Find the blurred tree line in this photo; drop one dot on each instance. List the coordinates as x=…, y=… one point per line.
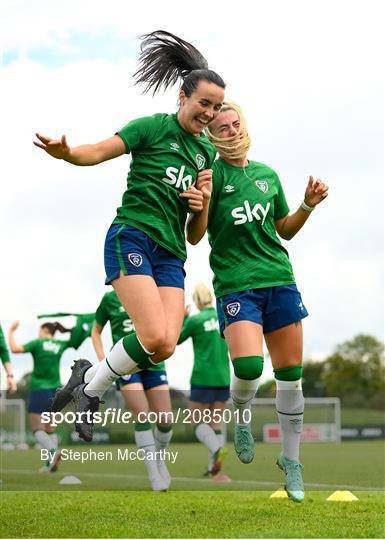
x=355, y=373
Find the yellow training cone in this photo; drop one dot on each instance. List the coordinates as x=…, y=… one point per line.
x=342, y=496
x=279, y=494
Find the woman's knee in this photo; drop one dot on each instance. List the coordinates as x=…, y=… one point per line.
x=155, y=341
x=166, y=350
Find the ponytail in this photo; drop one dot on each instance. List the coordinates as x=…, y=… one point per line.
x=54, y=327
x=166, y=58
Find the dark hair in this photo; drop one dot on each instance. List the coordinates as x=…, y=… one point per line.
x=53, y=327
x=165, y=58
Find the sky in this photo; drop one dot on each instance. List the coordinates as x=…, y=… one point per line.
x=308, y=76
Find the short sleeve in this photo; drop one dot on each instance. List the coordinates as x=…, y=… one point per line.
x=101, y=314
x=138, y=132
x=30, y=346
x=187, y=329
x=281, y=208
x=4, y=353
x=215, y=191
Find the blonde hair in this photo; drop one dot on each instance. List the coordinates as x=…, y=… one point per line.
x=202, y=296
x=235, y=147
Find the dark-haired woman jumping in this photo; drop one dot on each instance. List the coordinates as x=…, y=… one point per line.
x=145, y=245
x=46, y=353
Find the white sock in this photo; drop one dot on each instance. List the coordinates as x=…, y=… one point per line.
x=145, y=440
x=43, y=439
x=206, y=435
x=290, y=405
x=221, y=443
x=221, y=439
x=54, y=440
x=162, y=438
x=90, y=373
x=210, y=461
x=116, y=364
x=242, y=393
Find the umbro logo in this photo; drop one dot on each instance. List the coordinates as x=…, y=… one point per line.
x=229, y=189
x=174, y=146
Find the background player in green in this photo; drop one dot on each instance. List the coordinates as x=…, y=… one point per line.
x=254, y=283
x=210, y=377
x=6, y=360
x=142, y=392
x=46, y=353
x=145, y=246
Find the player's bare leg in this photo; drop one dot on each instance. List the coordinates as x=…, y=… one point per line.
x=157, y=313
x=135, y=399
x=244, y=340
x=285, y=348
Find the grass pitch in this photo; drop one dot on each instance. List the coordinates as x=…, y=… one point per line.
x=114, y=500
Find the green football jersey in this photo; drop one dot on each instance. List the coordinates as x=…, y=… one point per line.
x=82, y=329
x=246, y=252
x=111, y=310
x=46, y=354
x=165, y=162
x=211, y=357
x=4, y=353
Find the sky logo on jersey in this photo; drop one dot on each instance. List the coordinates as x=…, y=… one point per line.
x=128, y=325
x=178, y=181
x=262, y=185
x=233, y=308
x=174, y=146
x=229, y=189
x=245, y=213
x=135, y=259
x=210, y=325
x=200, y=161
x=51, y=347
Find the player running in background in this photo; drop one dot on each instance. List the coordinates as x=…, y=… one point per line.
x=254, y=283
x=145, y=246
x=210, y=378
x=142, y=392
x=6, y=360
x=80, y=331
x=45, y=379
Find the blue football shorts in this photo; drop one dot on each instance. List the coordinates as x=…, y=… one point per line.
x=40, y=400
x=131, y=251
x=271, y=307
x=148, y=378
x=209, y=394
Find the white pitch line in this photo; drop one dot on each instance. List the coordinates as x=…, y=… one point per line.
x=193, y=480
